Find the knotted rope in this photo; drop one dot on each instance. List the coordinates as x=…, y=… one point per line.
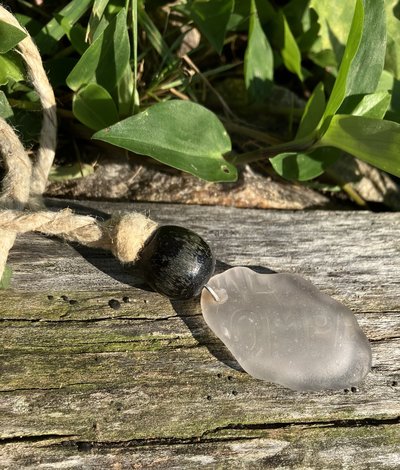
x=124, y=234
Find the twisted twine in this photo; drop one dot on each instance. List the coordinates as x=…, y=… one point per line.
x=124, y=234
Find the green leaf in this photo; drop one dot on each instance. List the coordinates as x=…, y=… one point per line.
x=76, y=35
x=362, y=62
x=258, y=60
x=5, y=108
x=335, y=20
x=374, y=105
x=367, y=65
x=311, y=27
x=313, y=112
x=304, y=166
x=386, y=82
x=290, y=52
x=375, y=141
x=70, y=172
x=181, y=134
x=154, y=35
x=5, y=280
x=28, y=125
x=392, y=59
x=126, y=89
x=239, y=18
x=48, y=38
x=104, y=22
x=10, y=36
x=211, y=17
x=11, y=68
x=94, y=107
x=33, y=26
x=95, y=16
x=106, y=59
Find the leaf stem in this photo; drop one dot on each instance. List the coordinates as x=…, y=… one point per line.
x=23, y=104
x=261, y=136
x=298, y=145
x=353, y=194
x=134, y=12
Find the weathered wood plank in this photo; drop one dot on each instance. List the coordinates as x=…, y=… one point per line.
x=311, y=447
x=350, y=255
x=87, y=386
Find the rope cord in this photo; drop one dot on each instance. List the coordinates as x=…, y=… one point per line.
x=21, y=205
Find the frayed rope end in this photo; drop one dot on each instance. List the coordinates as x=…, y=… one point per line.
x=128, y=234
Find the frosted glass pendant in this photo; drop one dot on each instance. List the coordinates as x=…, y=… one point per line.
x=282, y=329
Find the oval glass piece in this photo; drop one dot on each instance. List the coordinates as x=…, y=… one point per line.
x=282, y=329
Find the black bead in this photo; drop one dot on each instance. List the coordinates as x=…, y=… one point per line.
x=176, y=262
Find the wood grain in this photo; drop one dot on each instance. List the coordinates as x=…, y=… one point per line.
x=85, y=385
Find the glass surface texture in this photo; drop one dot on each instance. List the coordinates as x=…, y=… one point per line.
x=282, y=329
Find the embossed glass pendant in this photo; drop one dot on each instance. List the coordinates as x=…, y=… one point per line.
x=281, y=328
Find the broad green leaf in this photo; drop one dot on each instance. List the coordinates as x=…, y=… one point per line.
x=5, y=108
x=47, y=39
x=367, y=65
x=362, y=62
x=5, y=280
x=258, y=60
x=290, y=52
x=11, y=68
x=374, y=105
x=313, y=112
x=339, y=91
x=106, y=59
x=94, y=107
x=10, y=36
x=70, y=172
x=181, y=134
x=211, y=17
x=375, y=141
x=304, y=166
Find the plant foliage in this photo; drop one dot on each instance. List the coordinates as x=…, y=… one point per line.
x=118, y=67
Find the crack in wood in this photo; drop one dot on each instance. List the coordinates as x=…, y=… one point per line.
x=90, y=320
x=206, y=437
x=381, y=340
x=343, y=423
x=46, y=389
x=34, y=438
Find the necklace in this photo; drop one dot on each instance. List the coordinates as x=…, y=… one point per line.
x=279, y=327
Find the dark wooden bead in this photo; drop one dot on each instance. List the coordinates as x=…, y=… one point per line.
x=176, y=262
